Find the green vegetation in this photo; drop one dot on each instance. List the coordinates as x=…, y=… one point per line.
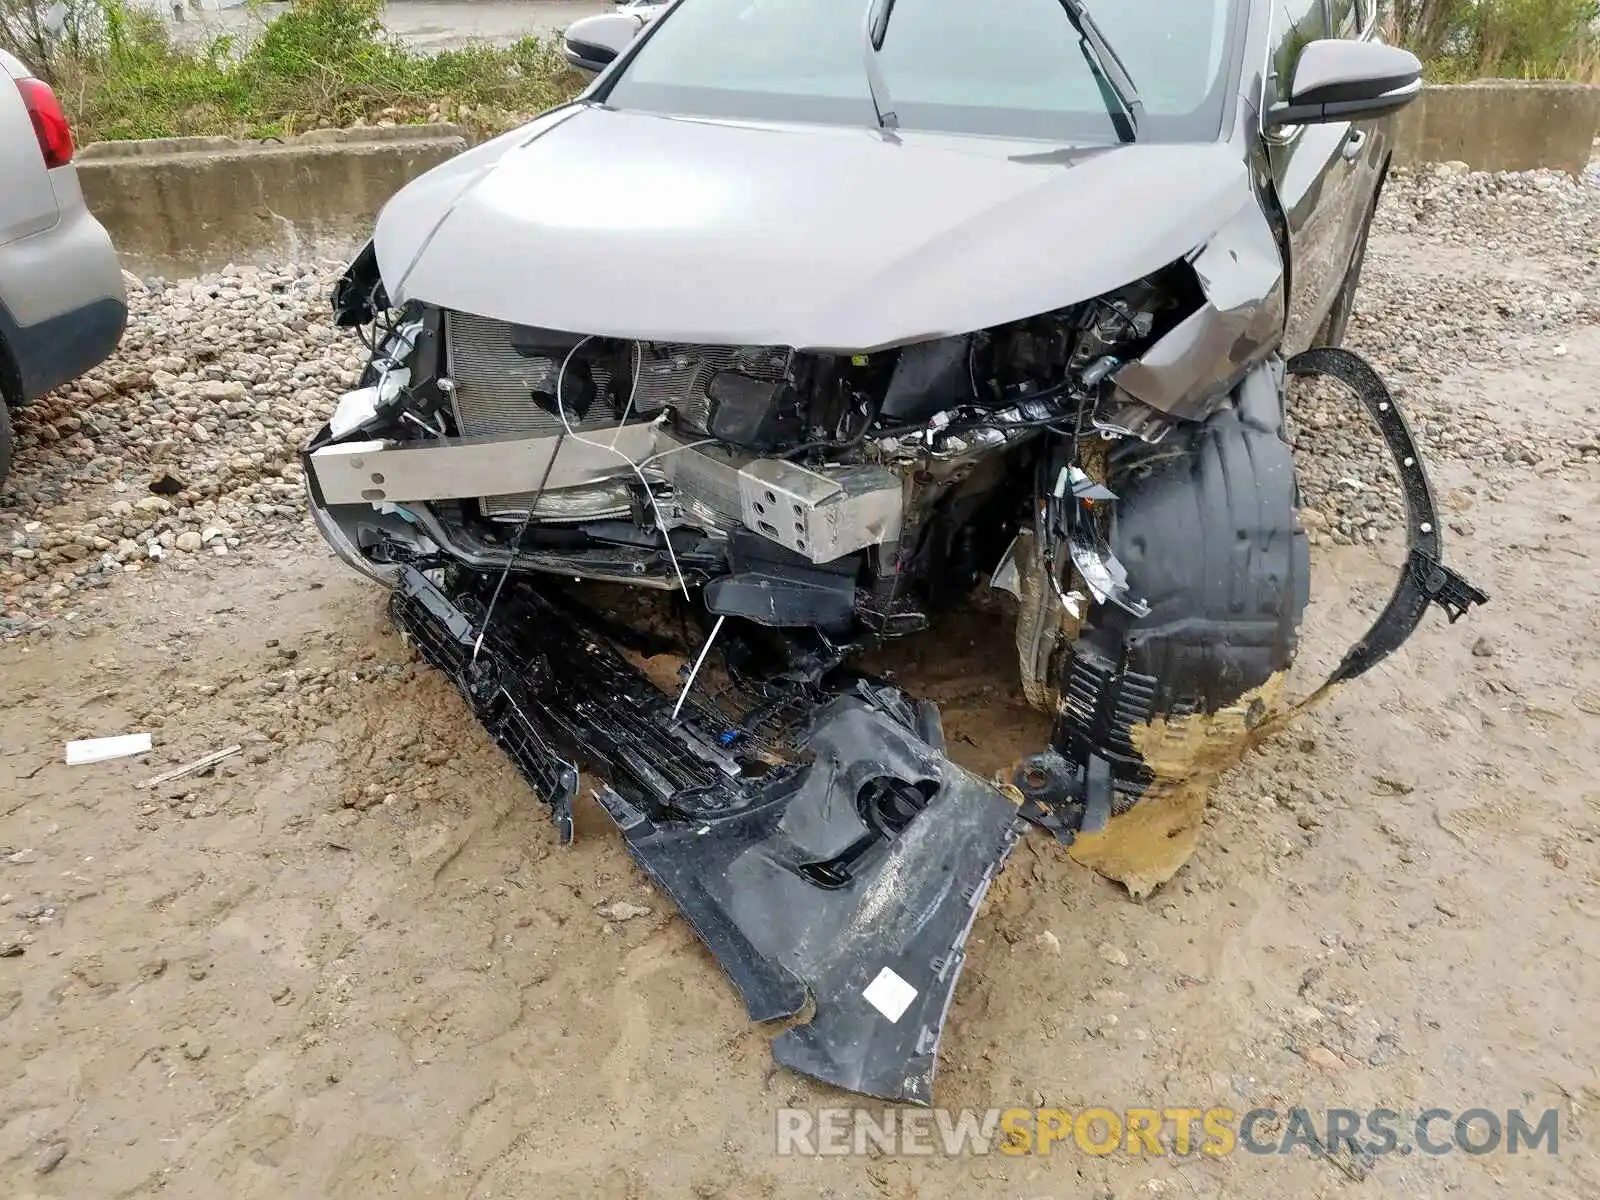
x=330, y=63
x=1500, y=39
x=323, y=63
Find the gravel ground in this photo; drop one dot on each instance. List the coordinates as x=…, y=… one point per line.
x=1456, y=282
x=181, y=445
x=353, y=961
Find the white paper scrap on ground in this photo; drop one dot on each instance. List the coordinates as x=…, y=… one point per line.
x=890, y=994
x=93, y=750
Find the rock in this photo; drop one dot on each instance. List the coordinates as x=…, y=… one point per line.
x=11, y=949
x=1483, y=648
x=50, y=1158
x=1112, y=954
x=218, y=391
x=1447, y=908
x=622, y=910
x=282, y=994
x=1384, y=1051
x=195, y=1048
x=189, y=542
x=1050, y=941
x=1321, y=1056
x=153, y=504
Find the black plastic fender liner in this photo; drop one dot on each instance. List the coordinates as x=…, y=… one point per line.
x=1205, y=523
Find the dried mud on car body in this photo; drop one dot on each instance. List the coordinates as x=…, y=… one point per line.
x=354, y=961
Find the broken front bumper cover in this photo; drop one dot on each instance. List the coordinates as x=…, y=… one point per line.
x=832, y=854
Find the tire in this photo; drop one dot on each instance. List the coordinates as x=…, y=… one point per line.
x=5, y=441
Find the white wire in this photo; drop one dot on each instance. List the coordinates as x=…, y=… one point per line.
x=660, y=454
x=698, y=663
x=638, y=470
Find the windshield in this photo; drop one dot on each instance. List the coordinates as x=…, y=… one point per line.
x=1011, y=69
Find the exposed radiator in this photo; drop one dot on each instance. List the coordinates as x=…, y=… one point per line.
x=675, y=375
x=495, y=386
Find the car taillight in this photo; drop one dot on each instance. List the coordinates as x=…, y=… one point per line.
x=49, y=121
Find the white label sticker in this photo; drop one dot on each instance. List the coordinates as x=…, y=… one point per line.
x=890, y=994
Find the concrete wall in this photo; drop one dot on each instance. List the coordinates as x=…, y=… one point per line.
x=183, y=206
x=1502, y=125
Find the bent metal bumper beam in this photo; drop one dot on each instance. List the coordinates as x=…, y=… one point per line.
x=837, y=856
x=821, y=515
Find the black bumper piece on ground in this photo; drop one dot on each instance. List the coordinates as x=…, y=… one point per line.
x=838, y=856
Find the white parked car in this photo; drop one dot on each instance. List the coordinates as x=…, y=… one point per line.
x=62, y=302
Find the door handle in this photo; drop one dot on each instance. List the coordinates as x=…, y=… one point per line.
x=1354, y=144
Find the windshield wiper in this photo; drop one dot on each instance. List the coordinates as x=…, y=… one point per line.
x=1108, y=69
x=878, y=13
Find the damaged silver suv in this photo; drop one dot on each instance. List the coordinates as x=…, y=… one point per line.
x=821, y=315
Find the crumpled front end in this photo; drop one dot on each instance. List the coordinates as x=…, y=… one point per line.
x=1117, y=465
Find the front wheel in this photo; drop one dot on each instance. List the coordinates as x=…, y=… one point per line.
x=5, y=441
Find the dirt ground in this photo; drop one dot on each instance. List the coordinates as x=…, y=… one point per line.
x=354, y=962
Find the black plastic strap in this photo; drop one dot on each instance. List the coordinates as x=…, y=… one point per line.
x=1425, y=579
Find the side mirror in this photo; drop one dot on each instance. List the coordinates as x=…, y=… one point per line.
x=592, y=44
x=1339, y=80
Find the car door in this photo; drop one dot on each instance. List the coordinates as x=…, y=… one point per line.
x=1314, y=169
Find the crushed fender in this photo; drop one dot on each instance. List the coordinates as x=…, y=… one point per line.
x=1184, y=756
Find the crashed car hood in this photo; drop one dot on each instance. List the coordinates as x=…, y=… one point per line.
x=633, y=225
